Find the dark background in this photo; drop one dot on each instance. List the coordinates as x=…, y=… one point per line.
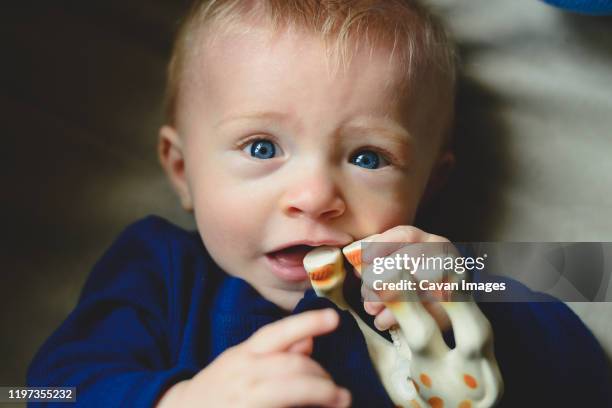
x=81, y=101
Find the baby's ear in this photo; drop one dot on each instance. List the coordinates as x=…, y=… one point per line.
x=170, y=150
x=442, y=168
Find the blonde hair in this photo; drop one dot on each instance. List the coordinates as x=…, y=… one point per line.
x=416, y=39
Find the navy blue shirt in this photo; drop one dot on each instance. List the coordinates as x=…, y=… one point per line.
x=156, y=310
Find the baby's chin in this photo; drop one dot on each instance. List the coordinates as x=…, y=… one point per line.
x=284, y=294
x=284, y=291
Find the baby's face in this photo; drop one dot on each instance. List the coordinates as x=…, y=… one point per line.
x=280, y=153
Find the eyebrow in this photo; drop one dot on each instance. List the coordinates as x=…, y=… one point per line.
x=381, y=126
x=258, y=115
x=385, y=127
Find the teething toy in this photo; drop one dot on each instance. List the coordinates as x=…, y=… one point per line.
x=418, y=369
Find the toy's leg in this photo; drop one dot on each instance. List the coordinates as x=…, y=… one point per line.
x=417, y=331
x=468, y=375
x=326, y=271
x=474, y=353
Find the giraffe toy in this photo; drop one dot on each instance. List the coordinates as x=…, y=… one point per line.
x=418, y=369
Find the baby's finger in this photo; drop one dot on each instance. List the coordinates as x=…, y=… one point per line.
x=396, y=240
x=390, y=241
x=385, y=320
x=282, y=334
x=286, y=365
x=373, y=308
x=300, y=391
x=302, y=347
x=408, y=233
x=368, y=294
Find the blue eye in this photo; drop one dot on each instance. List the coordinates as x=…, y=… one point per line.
x=368, y=159
x=262, y=149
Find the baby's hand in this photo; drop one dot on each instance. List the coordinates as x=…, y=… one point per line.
x=402, y=234
x=270, y=369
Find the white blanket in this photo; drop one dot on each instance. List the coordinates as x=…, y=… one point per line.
x=535, y=113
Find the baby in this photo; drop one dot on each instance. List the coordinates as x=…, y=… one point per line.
x=296, y=124
x=290, y=124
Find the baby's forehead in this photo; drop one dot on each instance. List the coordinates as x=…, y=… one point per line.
x=303, y=55
x=260, y=64
x=403, y=30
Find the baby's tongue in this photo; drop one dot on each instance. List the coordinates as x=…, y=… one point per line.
x=292, y=256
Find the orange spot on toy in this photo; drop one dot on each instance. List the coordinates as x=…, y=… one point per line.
x=470, y=381
x=425, y=380
x=354, y=257
x=321, y=274
x=465, y=404
x=415, y=404
x=436, y=402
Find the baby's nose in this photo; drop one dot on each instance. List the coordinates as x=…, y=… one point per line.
x=315, y=196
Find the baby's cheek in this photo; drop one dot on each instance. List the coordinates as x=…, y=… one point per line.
x=228, y=217
x=389, y=214
x=384, y=207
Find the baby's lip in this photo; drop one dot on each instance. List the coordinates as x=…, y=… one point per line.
x=290, y=256
x=308, y=243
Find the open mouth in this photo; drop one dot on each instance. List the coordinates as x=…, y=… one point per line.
x=288, y=263
x=291, y=256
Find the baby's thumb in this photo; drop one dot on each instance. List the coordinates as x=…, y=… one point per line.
x=289, y=332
